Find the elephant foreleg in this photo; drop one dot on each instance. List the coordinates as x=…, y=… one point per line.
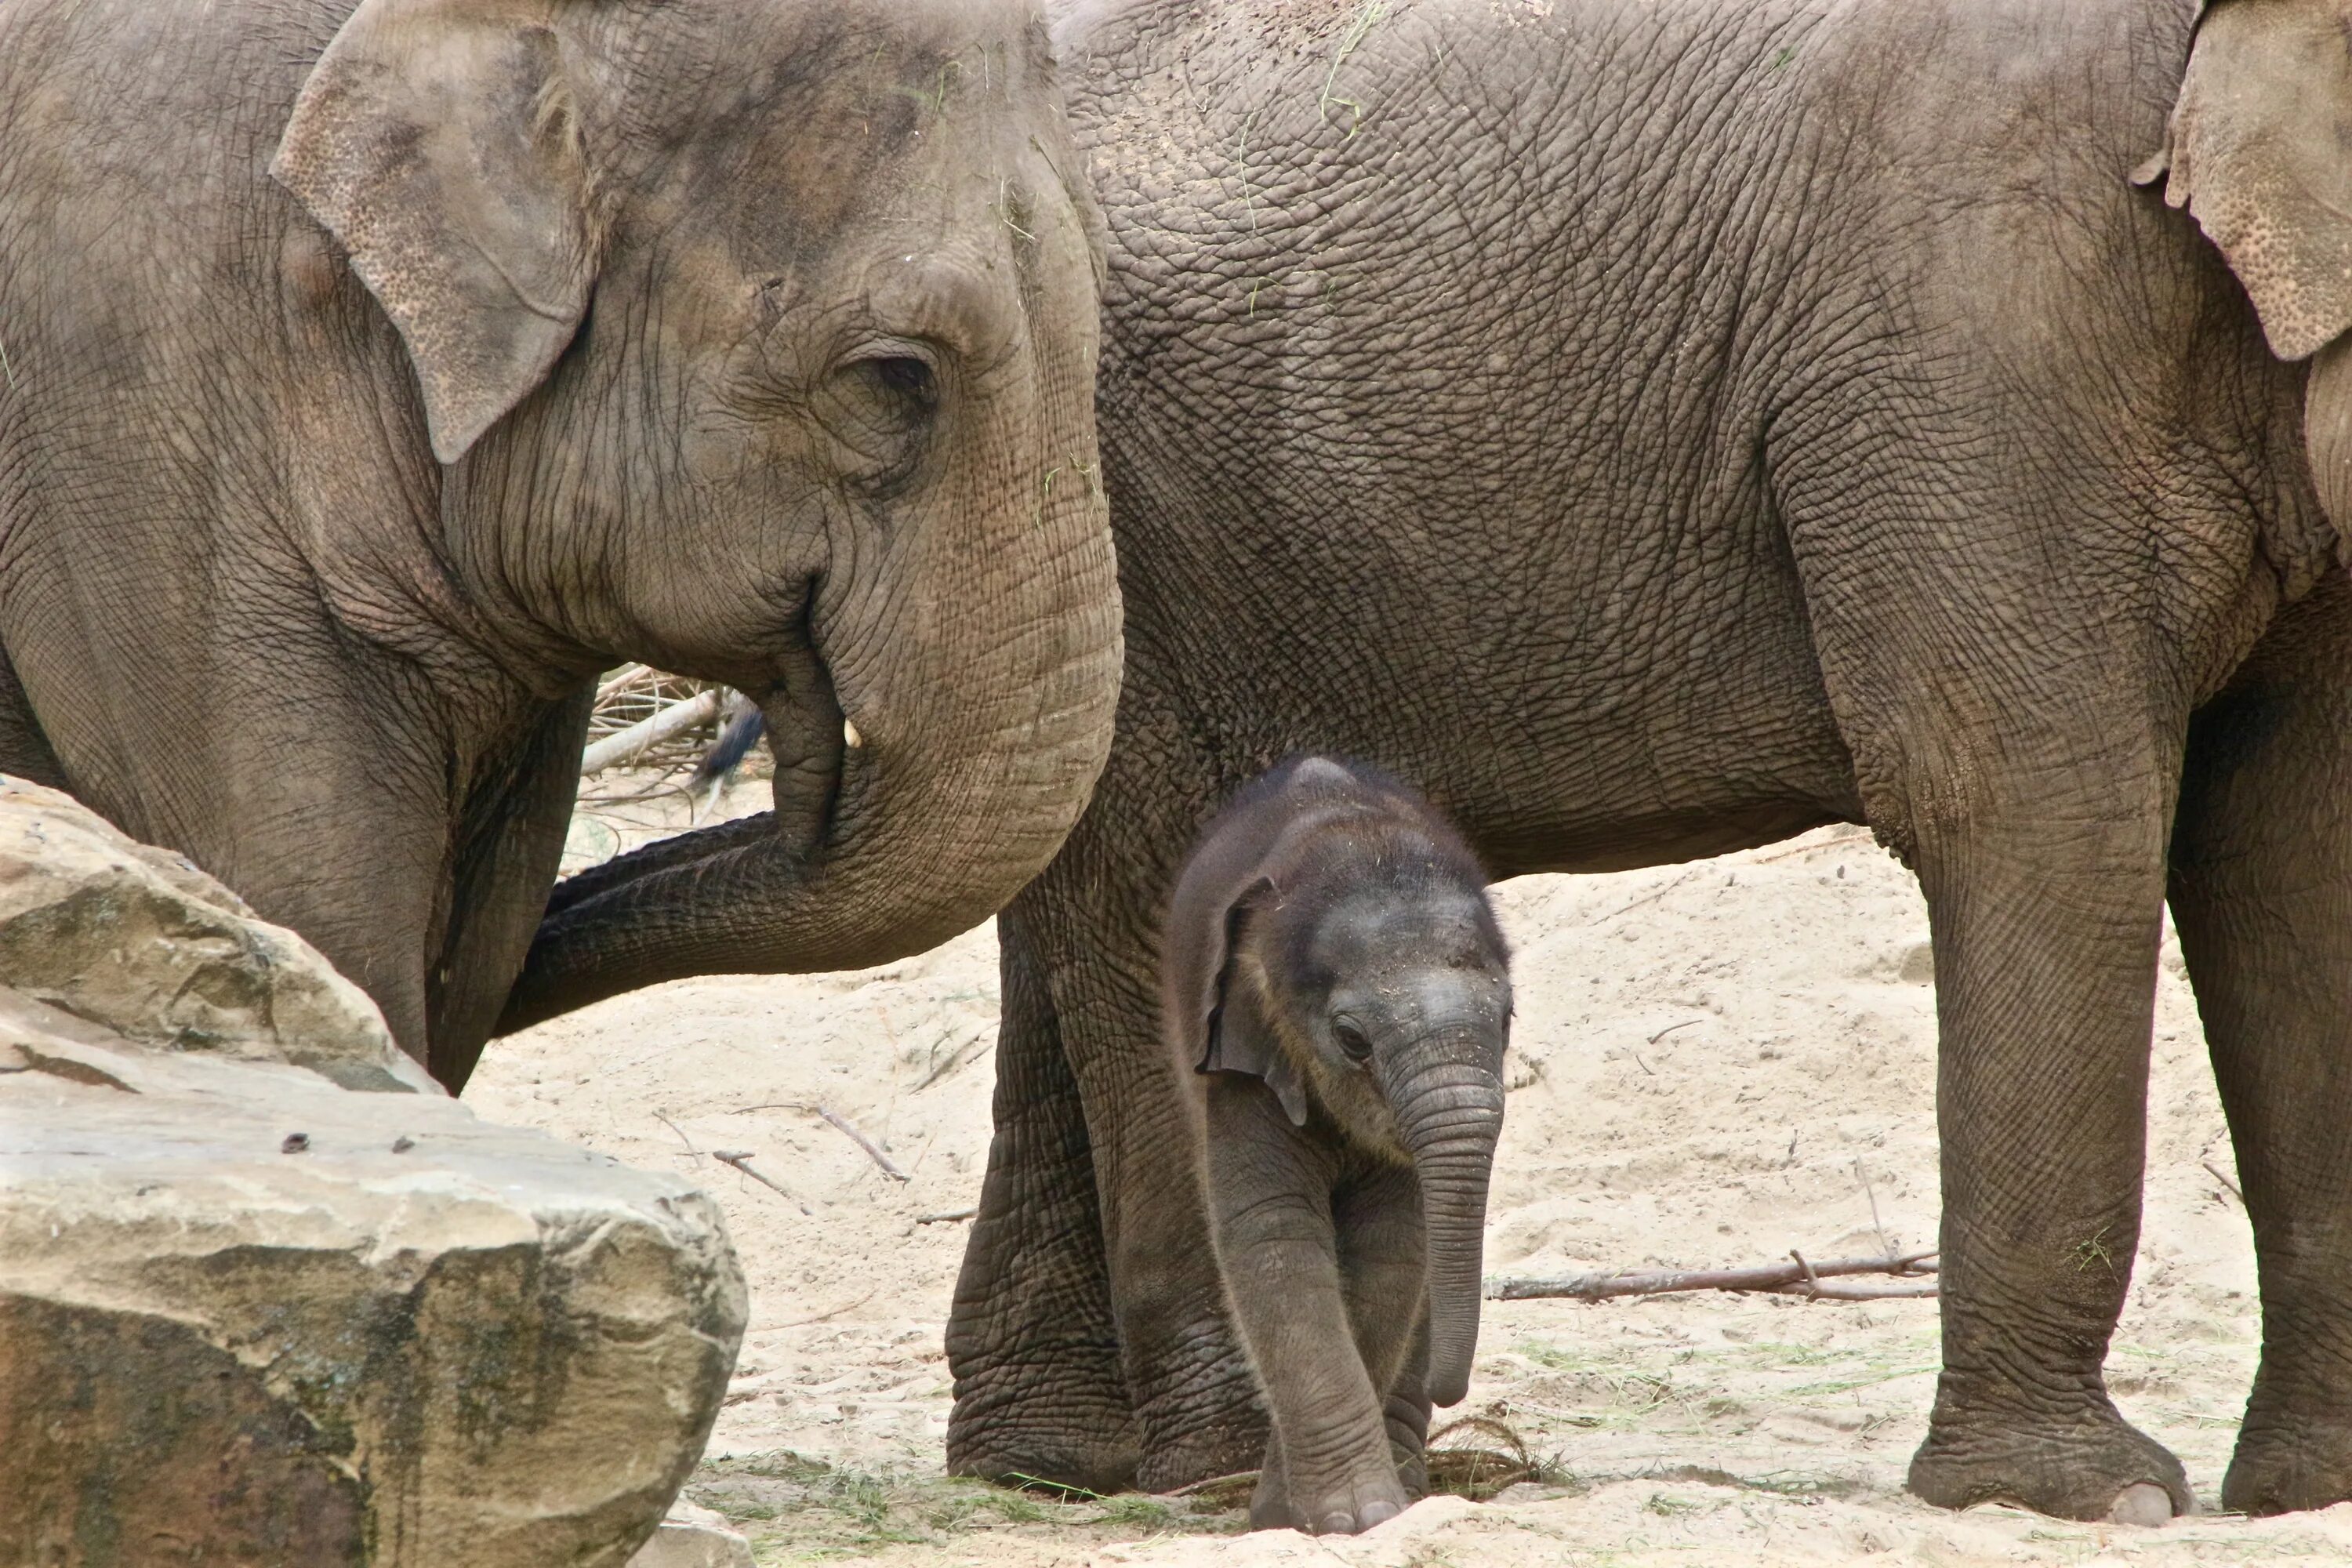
x=2045, y=926
x=508, y=845
x=1383, y=1267
x=2262, y=887
x=1327, y=1469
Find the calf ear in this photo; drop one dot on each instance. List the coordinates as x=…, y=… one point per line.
x=436, y=140
x=1236, y=1035
x=2259, y=153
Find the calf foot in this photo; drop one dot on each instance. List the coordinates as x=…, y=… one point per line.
x=2094, y=1466
x=1348, y=1504
x=1350, y=1507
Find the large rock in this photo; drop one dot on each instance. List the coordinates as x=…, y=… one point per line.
x=250, y=1317
x=139, y=941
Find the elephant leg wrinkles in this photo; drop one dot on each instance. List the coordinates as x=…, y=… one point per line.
x=2045, y=938
x=2262, y=887
x=1031, y=1341
x=1383, y=1263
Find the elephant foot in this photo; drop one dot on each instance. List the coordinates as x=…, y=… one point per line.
x=2095, y=1468
x=2282, y=1468
x=1014, y=1432
x=1347, y=1504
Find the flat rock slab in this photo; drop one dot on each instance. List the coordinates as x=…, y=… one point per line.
x=694, y=1537
x=247, y=1317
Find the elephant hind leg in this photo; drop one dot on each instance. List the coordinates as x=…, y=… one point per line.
x=2262, y=888
x=1039, y=1392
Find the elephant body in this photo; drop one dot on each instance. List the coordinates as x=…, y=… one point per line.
x=1659, y=427
x=1337, y=1000
x=377, y=374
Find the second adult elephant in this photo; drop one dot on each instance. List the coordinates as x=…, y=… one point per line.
x=1660, y=426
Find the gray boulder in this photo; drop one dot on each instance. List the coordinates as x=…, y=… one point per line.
x=137, y=939
x=248, y=1316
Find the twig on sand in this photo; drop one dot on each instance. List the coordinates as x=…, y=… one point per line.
x=956, y=1059
x=947, y=1219
x=1871, y=1192
x=873, y=1149
x=821, y=1317
x=2232, y=1186
x=674, y=1127
x=1813, y=1281
x=889, y=1166
x=742, y=1160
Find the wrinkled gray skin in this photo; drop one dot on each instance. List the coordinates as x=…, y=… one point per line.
x=1661, y=426
x=1337, y=1000
x=375, y=376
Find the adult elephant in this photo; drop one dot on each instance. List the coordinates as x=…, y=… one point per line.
x=1658, y=428
x=375, y=374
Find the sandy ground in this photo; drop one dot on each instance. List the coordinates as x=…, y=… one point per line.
x=1716, y=1063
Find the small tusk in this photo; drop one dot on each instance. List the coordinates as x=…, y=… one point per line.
x=849, y=735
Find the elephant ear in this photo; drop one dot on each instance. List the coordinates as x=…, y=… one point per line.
x=1236, y=1035
x=436, y=138
x=2259, y=151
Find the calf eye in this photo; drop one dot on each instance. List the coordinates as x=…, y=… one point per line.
x=1352, y=1041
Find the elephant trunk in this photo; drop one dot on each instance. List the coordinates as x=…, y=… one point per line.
x=933, y=746
x=1451, y=1117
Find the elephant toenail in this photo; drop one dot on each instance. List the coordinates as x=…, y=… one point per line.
x=2142, y=1503
x=1336, y=1523
x=1380, y=1513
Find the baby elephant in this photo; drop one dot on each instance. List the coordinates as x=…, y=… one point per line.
x=1337, y=995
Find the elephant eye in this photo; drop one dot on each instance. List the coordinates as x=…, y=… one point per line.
x=906, y=377
x=884, y=409
x=1352, y=1041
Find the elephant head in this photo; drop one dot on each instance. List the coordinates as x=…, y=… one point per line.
x=756, y=339
x=2259, y=151
x=1355, y=965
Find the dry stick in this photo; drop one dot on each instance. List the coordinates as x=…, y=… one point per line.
x=1861, y=836
x=821, y=1317
x=630, y=674
x=889, y=1166
x=674, y=719
x=2225, y=1181
x=956, y=1059
x=742, y=1160
x=1875, y=1223
x=953, y=1215
x=673, y=1126
x=1796, y=1277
